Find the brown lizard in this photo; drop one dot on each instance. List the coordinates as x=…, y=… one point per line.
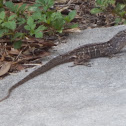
x=79, y=56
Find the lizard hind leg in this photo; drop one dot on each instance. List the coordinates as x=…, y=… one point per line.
x=82, y=60
x=85, y=63
x=114, y=55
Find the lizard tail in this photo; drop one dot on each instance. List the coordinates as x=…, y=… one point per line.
x=52, y=63
x=8, y=95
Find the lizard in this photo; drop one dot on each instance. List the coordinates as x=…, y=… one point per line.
x=79, y=56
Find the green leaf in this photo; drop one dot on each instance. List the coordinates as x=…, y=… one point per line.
x=111, y=1
x=2, y=9
x=58, y=24
x=60, y=30
x=17, y=45
x=27, y=27
x=32, y=32
x=12, y=17
x=104, y=3
x=37, y=15
x=1, y=21
x=30, y=21
x=120, y=7
x=99, y=2
x=1, y=3
x=2, y=15
x=33, y=26
x=122, y=13
x=17, y=35
x=10, y=25
x=71, y=15
x=38, y=34
x=46, y=4
x=74, y=25
x=41, y=28
x=3, y=31
x=118, y=20
x=43, y=19
x=22, y=8
x=21, y=21
x=95, y=11
x=57, y=21
x=11, y=6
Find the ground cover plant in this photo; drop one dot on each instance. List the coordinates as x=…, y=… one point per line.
x=38, y=21
x=22, y=26
x=115, y=7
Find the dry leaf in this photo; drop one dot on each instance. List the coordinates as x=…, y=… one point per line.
x=14, y=51
x=5, y=68
x=60, y=1
x=73, y=30
x=17, y=67
x=62, y=9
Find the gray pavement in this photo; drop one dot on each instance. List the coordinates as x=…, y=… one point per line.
x=70, y=96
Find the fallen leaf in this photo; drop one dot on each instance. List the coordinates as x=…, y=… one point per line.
x=5, y=68
x=73, y=30
x=60, y=1
x=14, y=51
x=17, y=67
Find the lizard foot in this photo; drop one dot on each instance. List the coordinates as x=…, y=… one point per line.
x=81, y=63
x=115, y=55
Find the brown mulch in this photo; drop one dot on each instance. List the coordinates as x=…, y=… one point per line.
x=33, y=50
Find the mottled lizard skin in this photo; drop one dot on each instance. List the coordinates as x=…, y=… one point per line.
x=79, y=56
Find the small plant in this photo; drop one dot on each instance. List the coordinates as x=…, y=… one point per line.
x=52, y=19
x=7, y=24
x=31, y=27
x=102, y=5
x=118, y=9
x=1, y=3
x=39, y=20
x=18, y=10
x=45, y=4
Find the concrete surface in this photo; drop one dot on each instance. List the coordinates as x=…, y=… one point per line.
x=70, y=96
